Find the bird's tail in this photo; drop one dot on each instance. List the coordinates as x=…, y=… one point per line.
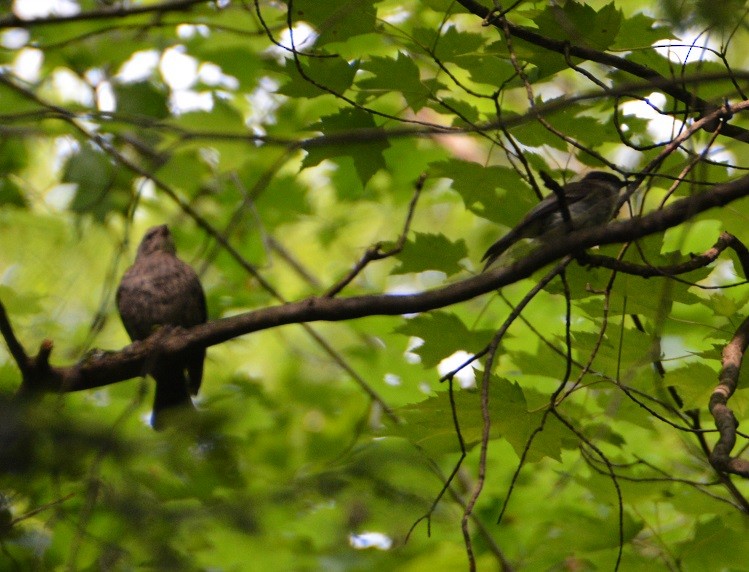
x=496, y=249
x=171, y=404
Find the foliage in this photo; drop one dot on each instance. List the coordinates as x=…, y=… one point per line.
x=416, y=130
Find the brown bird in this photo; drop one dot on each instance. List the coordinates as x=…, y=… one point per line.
x=160, y=289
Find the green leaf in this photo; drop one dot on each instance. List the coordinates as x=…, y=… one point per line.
x=430, y=426
x=367, y=156
x=222, y=117
x=11, y=194
x=694, y=383
x=431, y=252
x=284, y=201
x=692, y=238
x=400, y=75
x=13, y=102
x=490, y=70
x=235, y=58
x=694, y=552
x=13, y=158
x=185, y=171
x=100, y=187
x=141, y=99
x=641, y=30
x=335, y=21
x=318, y=76
x=580, y=24
x=433, y=328
x=453, y=43
x=476, y=184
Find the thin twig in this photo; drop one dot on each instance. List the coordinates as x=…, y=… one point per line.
x=375, y=252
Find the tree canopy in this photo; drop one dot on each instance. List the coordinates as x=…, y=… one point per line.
x=372, y=397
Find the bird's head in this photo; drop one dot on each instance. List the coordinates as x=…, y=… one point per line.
x=156, y=239
x=604, y=177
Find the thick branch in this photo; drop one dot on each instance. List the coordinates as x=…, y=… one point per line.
x=105, y=368
x=725, y=421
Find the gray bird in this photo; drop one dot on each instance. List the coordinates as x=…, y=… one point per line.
x=160, y=289
x=590, y=202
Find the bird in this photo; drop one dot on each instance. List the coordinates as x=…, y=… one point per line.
x=590, y=202
x=159, y=289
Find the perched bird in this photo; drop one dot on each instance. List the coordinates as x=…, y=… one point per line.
x=590, y=202
x=159, y=289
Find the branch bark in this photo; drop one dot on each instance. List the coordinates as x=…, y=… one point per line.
x=725, y=420
x=107, y=13
x=103, y=368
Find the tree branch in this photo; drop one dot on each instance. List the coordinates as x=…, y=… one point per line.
x=109, y=13
x=564, y=48
x=726, y=240
x=725, y=421
x=103, y=368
